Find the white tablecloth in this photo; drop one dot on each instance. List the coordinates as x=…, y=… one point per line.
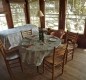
x=12, y=37
x=33, y=51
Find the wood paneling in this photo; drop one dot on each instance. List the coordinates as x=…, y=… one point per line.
x=85, y=28
x=42, y=8
x=81, y=41
x=62, y=9
x=27, y=15
x=1, y=7
x=8, y=14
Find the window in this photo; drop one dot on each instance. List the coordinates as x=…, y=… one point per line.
x=3, y=22
x=75, y=16
x=34, y=8
x=18, y=15
x=51, y=13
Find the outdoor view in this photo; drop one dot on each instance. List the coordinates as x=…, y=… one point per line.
x=3, y=22
x=51, y=14
x=75, y=15
x=18, y=14
x=34, y=8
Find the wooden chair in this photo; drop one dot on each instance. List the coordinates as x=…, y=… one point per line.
x=11, y=57
x=54, y=61
x=71, y=40
x=25, y=34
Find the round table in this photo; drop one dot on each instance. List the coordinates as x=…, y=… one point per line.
x=36, y=50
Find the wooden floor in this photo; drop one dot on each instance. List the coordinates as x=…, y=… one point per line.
x=74, y=70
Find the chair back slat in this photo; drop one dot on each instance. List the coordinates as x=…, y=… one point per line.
x=2, y=49
x=71, y=36
x=11, y=59
x=26, y=33
x=61, y=52
x=56, y=60
x=71, y=40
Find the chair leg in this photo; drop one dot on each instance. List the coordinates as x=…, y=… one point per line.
x=72, y=55
x=37, y=69
x=53, y=73
x=10, y=72
x=21, y=64
x=43, y=67
x=66, y=58
x=62, y=67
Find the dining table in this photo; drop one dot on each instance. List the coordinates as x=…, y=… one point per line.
x=33, y=50
x=12, y=37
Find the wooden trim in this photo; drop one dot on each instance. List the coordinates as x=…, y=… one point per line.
x=62, y=10
x=42, y=8
x=26, y=9
x=16, y=1
x=85, y=28
x=8, y=14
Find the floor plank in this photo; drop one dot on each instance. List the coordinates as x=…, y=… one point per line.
x=74, y=70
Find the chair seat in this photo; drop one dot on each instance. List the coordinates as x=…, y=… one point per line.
x=12, y=56
x=70, y=47
x=70, y=51
x=62, y=46
x=50, y=61
x=54, y=61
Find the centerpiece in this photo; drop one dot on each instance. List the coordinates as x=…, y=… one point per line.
x=41, y=34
